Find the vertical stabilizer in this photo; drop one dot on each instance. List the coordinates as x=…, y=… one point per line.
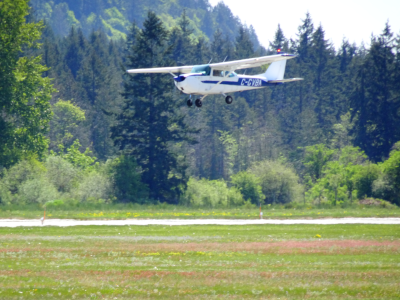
x=276, y=70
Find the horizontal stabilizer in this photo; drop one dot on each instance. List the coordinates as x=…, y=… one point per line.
x=285, y=80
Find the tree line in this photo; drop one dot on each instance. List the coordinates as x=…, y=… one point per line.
x=331, y=138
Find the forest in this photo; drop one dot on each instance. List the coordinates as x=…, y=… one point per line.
x=76, y=128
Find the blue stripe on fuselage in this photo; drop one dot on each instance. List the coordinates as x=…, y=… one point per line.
x=247, y=82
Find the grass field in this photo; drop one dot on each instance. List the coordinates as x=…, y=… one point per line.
x=201, y=262
x=180, y=212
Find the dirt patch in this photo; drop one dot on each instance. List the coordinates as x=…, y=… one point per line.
x=324, y=246
x=265, y=246
x=370, y=202
x=330, y=247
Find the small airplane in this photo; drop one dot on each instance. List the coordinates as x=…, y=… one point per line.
x=220, y=78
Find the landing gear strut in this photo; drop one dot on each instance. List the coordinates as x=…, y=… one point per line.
x=198, y=103
x=228, y=99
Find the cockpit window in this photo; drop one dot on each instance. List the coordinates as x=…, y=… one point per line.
x=219, y=73
x=203, y=69
x=233, y=74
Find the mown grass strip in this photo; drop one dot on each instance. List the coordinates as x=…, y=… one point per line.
x=201, y=262
x=123, y=212
x=218, y=233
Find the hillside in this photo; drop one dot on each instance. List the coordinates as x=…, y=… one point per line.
x=115, y=16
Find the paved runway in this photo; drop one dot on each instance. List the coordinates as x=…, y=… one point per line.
x=173, y=222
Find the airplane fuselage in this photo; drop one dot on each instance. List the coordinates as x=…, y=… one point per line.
x=196, y=84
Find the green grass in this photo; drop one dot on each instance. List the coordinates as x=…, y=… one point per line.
x=219, y=233
x=119, y=211
x=201, y=262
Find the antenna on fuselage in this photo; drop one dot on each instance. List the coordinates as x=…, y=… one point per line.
x=210, y=61
x=225, y=59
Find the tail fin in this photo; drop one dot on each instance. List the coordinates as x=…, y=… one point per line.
x=275, y=71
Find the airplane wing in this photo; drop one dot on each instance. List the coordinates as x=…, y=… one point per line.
x=285, y=80
x=183, y=69
x=250, y=62
x=224, y=66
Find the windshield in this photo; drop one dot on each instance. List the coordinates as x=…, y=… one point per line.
x=203, y=69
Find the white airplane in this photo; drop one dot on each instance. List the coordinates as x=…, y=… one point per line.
x=220, y=78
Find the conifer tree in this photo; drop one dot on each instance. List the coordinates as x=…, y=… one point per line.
x=98, y=80
x=324, y=75
x=76, y=50
x=150, y=122
x=183, y=49
x=244, y=45
x=374, y=102
x=280, y=41
x=202, y=53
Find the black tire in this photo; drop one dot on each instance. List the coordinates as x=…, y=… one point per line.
x=228, y=99
x=198, y=103
x=189, y=103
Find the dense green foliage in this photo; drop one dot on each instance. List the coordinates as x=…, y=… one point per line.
x=24, y=94
x=211, y=193
x=329, y=140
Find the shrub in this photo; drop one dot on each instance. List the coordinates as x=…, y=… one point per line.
x=5, y=194
x=94, y=186
x=211, y=193
x=17, y=174
x=365, y=178
x=249, y=186
x=391, y=169
x=381, y=188
x=61, y=173
x=54, y=203
x=127, y=180
x=37, y=190
x=279, y=183
x=315, y=159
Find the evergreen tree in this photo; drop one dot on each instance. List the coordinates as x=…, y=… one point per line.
x=183, y=48
x=76, y=50
x=374, y=102
x=202, y=53
x=244, y=46
x=324, y=80
x=98, y=80
x=280, y=42
x=303, y=44
x=150, y=122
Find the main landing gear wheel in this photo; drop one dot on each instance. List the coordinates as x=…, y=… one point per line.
x=228, y=99
x=189, y=103
x=198, y=103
